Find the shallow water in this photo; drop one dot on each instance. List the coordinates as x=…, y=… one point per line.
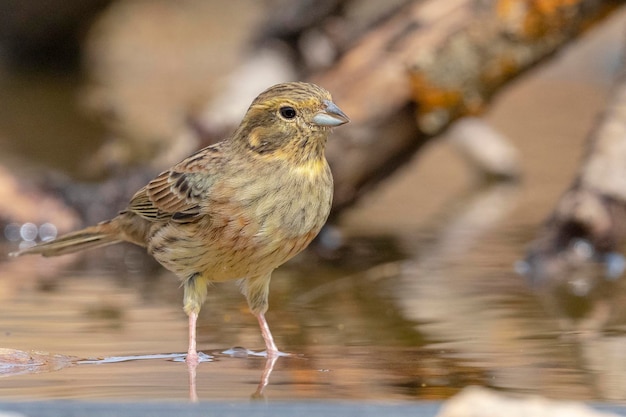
x=419, y=327
x=422, y=301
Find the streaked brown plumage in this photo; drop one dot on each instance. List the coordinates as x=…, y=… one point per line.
x=234, y=210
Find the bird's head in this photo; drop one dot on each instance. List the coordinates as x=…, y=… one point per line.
x=293, y=117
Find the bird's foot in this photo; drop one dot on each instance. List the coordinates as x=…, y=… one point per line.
x=192, y=358
x=241, y=352
x=274, y=353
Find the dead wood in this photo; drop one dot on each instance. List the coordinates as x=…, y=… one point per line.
x=589, y=221
x=415, y=70
x=430, y=63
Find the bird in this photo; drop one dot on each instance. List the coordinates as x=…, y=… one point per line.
x=235, y=210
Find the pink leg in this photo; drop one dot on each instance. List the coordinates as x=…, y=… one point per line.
x=271, y=348
x=265, y=378
x=192, y=354
x=193, y=394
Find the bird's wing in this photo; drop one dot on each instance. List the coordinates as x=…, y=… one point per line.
x=180, y=192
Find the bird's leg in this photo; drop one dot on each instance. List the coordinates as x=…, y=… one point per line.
x=272, y=350
x=192, y=353
x=195, y=294
x=256, y=290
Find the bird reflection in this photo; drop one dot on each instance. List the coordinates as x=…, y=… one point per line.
x=265, y=378
x=192, y=368
x=259, y=393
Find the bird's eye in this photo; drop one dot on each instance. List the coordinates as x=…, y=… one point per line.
x=287, y=112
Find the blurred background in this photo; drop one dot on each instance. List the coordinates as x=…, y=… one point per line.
x=413, y=290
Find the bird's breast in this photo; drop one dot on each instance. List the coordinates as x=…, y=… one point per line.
x=298, y=200
x=260, y=220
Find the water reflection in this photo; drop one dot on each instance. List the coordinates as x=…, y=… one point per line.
x=14, y=362
x=421, y=315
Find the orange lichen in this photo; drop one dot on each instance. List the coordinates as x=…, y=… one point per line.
x=436, y=106
x=430, y=97
x=531, y=19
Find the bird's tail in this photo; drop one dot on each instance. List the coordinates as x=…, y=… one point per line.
x=88, y=238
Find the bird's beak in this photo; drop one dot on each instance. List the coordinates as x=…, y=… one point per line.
x=331, y=116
